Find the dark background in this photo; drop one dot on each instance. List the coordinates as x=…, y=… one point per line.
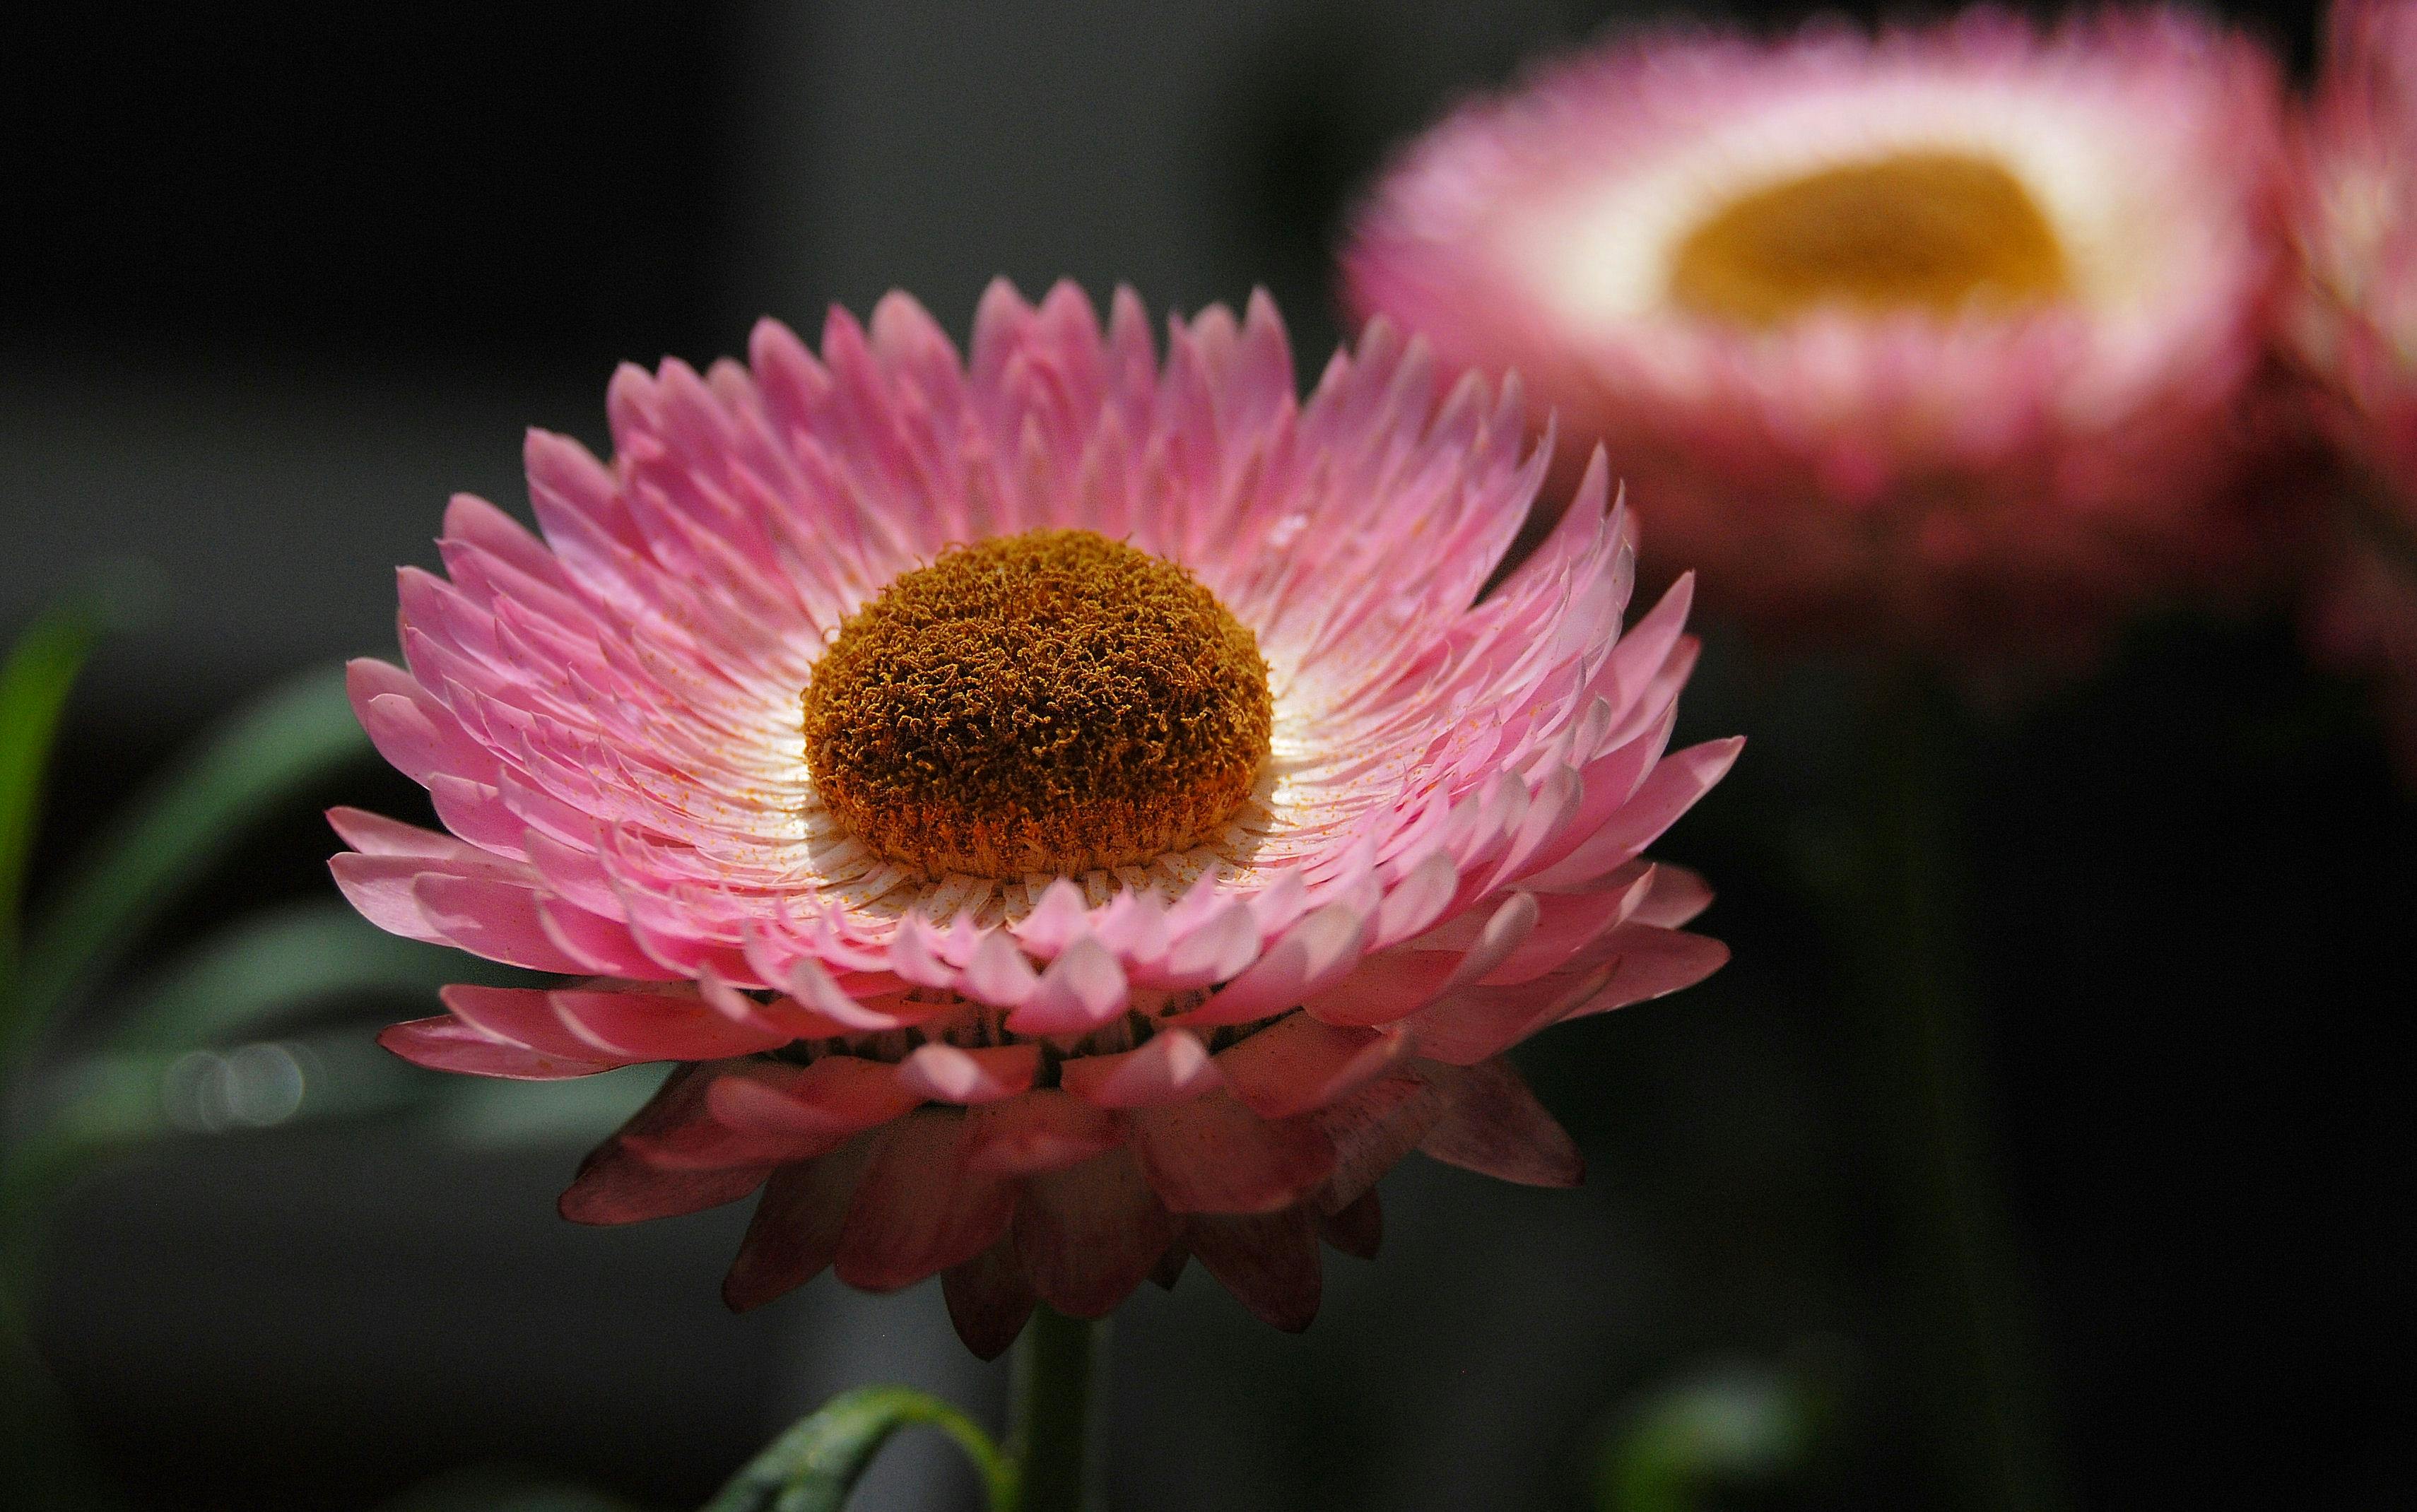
x=277, y=281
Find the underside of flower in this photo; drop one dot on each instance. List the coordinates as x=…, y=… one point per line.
x=1924, y=230
x=1047, y=702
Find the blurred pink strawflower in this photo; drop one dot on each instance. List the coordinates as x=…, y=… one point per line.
x=966, y=964
x=1940, y=339
x=2353, y=325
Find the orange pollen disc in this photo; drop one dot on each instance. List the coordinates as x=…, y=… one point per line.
x=1926, y=231
x=1048, y=702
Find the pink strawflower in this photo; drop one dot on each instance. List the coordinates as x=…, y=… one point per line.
x=1938, y=340
x=2353, y=325
x=1037, y=1085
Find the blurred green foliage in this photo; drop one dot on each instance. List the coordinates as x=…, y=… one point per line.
x=33, y=685
x=182, y=1050
x=1716, y=1430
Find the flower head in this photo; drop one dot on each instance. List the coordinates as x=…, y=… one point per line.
x=1064, y=813
x=1938, y=340
x=2353, y=325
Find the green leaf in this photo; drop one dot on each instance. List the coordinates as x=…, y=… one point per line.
x=33, y=685
x=1733, y=1427
x=297, y=734
x=813, y=1466
x=271, y=965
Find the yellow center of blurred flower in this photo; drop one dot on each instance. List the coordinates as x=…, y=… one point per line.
x=1047, y=702
x=1924, y=231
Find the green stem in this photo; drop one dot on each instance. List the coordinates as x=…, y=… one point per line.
x=1057, y=1364
x=1972, y=1321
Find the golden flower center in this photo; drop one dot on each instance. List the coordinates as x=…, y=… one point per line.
x=1928, y=231
x=1047, y=702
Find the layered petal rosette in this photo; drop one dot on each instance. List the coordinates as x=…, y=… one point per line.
x=1936, y=339
x=1065, y=812
x=2353, y=325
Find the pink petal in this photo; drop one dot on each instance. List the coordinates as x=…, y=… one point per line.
x=1086, y=1235
x=1568, y=923
x=1083, y=989
x=1492, y=1124
x=376, y=835
x=706, y=1144
x=796, y=1226
x=1478, y=1023
x=1313, y=952
x=1358, y=1229
x=1606, y=784
x=1298, y=1064
x=1212, y=1155
x=920, y=1208
x=409, y=727
x=837, y=1092
x=780, y=1015
x=498, y=921
x=601, y=946
x=1174, y=1066
x=380, y=888
x=1055, y=921
x=527, y=1017
x=913, y=956
x=1373, y=1128
x=1388, y=989
x=1268, y=1261
x=998, y=975
x=657, y=1026
x=1553, y=806
x=944, y=1073
x=1680, y=778
x=1415, y=902
x=616, y=1186
x=1649, y=641
x=476, y=811
x=813, y=986
x=1221, y=944
x=1650, y=964
x=1677, y=895
x=989, y=1300
x=473, y=520
x=382, y=885
x=1043, y=1130
x=1135, y=928
x=446, y=1044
